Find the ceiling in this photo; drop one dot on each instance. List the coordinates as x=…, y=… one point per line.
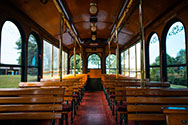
x=48, y=17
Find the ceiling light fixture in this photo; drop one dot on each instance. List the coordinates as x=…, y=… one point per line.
x=93, y=27
x=93, y=37
x=93, y=8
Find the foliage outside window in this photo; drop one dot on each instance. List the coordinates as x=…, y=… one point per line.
x=154, y=58
x=77, y=64
x=94, y=61
x=112, y=64
x=55, y=61
x=47, y=59
x=11, y=49
x=176, y=55
x=132, y=61
x=32, y=59
x=50, y=70
x=65, y=61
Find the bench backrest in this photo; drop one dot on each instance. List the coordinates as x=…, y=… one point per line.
x=142, y=102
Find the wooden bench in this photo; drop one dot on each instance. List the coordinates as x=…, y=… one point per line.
x=31, y=104
x=146, y=104
x=69, y=98
x=109, y=89
x=176, y=115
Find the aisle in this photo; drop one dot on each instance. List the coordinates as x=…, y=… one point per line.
x=94, y=110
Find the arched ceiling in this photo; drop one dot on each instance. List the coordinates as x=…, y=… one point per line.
x=48, y=17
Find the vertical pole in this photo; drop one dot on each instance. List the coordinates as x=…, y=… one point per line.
x=117, y=56
x=75, y=59
x=52, y=61
x=142, y=44
x=109, y=58
x=60, y=48
x=80, y=61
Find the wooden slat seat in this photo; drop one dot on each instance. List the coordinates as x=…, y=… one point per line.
x=120, y=103
x=25, y=104
x=176, y=115
x=146, y=104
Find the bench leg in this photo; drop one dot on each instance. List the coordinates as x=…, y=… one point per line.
x=116, y=118
x=62, y=120
x=71, y=117
x=66, y=119
x=113, y=108
x=74, y=108
x=52, y=122
x=121, y=119
x=125, y=119
x=136, y=122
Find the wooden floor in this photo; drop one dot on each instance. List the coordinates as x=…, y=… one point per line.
x=94, y=110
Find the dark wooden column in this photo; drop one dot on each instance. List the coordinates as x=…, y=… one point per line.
x=103, y=62
x=84, y=61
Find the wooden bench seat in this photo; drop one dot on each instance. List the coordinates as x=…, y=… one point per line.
x=176, y=115
x=146, y=104
x=35, y=104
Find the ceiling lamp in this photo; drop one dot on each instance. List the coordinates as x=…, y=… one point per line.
x=93, y=8
x=93, y=37
x=93, y=27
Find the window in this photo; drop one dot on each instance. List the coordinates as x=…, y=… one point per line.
x=154, y=58
x=176, y=55
x=55, y=61
x=94, y=61
x=132, y=59
x=78, y=63
x=112, y=64
x=138, y=60
x=47, y=59
x=123, y=63
x=132, y=62
x=126, y=63
x=64, y=62
x=10, y=61
x=32, y=59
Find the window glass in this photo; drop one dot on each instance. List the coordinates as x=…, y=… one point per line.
x=11, y=44
x=123, y=63
x=154, y=57
x=175, y=44
x=32, y=74
x=138, y=59
x=132, y=62
x=126, y=63
x=11, y=48
x=47, y=58
x=112, y=64
x=176, y=54
x=55, y=61
x=177, y=76
x=10, y=77
x=154, y=73
x=94, y=61
x=32, y=51
x=77, y=64
x=66, y=60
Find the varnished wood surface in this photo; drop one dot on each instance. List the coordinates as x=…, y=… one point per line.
x=146, y=117
x=21, y=100
x=29, y=107
x=31, y=91
x=30, y=115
